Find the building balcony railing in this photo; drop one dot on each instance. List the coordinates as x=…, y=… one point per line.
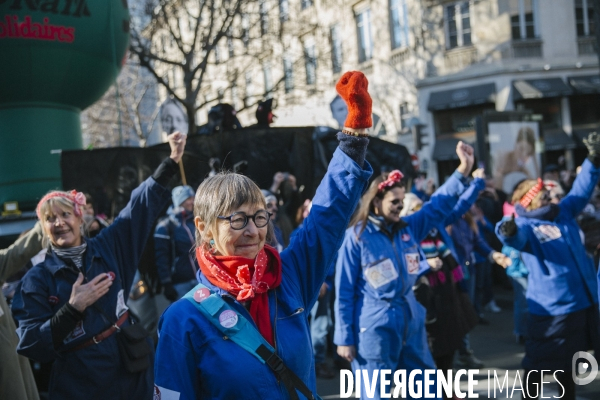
x=528, y=48
x=585, y=45
x=399, y=55
x=460, y=57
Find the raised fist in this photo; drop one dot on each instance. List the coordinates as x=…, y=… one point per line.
x=353, y=88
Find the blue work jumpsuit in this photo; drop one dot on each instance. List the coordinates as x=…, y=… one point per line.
x=195, y=361
x=562, y=291
x=96, y=371
x=375, y=308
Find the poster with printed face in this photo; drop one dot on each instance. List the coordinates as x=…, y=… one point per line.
x=515, y=153
x=173, y=118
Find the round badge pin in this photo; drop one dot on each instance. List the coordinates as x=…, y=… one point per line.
x=201, y=294
x=228, y=319
x=53, y=300
x=111, y=275
x=405, y=237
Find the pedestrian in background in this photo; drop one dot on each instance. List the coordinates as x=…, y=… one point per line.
x=174, y=240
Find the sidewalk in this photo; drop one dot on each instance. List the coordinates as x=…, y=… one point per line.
x=495, y=345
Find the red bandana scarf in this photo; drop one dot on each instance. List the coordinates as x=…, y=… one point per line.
x=247, y=279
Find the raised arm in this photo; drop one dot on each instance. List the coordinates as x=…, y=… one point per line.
x=445, y=198
x=14, y=257
x=314, y=246
x=466, y=200
x=127, y=236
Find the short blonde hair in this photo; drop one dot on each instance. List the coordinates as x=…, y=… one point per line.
x=61, y=202
x=220, y=195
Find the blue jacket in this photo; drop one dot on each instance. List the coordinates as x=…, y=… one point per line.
x=196, y=362
x=562, y=278
x=96, y=371
x=465, y=201
x=373, y=278
x=177, y=229
x=467, y=242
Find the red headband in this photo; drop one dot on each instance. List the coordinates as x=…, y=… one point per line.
x=75, y=197
x=394, y=177
x=529, y=196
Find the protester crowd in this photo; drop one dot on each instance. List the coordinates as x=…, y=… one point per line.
x=266, y=283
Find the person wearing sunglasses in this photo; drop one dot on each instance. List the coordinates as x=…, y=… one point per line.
x=378, y=322
x=562, y=292
x=257, y=287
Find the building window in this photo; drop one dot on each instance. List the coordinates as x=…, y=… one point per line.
x=284, y=7
x=264, y=17
x=523, y=19
x=365, y=42
x=249, y=88
x=305, y=4
x=310, y=62
x=399, y=23
x=584, y=17
x=458, y=25
x=268, y=78
x=404, y=116
x=288, y=72
x=336, y=49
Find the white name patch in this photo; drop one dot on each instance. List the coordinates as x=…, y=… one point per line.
x=381, y=273
x=546, y=233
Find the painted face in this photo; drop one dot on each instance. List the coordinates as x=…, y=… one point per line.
x=272, y=208
x=63, y=227
x=390, y=206
x=188, y=204
x=246, y=242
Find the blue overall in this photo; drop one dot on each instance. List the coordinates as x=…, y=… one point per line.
x=562, y=284
x=195, y=361
x=96, y=371
x=376, y=310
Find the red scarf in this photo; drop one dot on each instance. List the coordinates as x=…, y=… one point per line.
x=247, y=279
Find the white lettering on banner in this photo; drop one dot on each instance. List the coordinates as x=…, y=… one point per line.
x=161, y=393
x=381, y=273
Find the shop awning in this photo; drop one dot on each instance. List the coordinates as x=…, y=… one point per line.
x=557, y=139
x=462, y=97
x=582, y=133
x=585, y=84
x=445, y=149
x=540, y=88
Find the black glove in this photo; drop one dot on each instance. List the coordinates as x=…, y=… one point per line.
x=509, y=227
x=592, y=142
x=170, y=292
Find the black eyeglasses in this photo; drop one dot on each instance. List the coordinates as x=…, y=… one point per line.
x=239, y=220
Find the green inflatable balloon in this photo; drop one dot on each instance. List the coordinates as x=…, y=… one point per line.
x=58, y=57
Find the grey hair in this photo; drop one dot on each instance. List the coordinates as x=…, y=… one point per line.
x=220, y=195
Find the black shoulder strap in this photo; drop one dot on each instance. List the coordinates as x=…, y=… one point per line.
x=289, y=379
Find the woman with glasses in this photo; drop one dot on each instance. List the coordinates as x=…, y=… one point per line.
x=562, y=292
x=252, y=287
x=378, y=322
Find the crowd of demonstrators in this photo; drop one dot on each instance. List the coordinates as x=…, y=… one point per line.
x=283, y=200
x=244, y=279
x=378, y=322
x=422, y=187
x=562, y=292
x=93, y=223
x=70, y=306
x=174, y=239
